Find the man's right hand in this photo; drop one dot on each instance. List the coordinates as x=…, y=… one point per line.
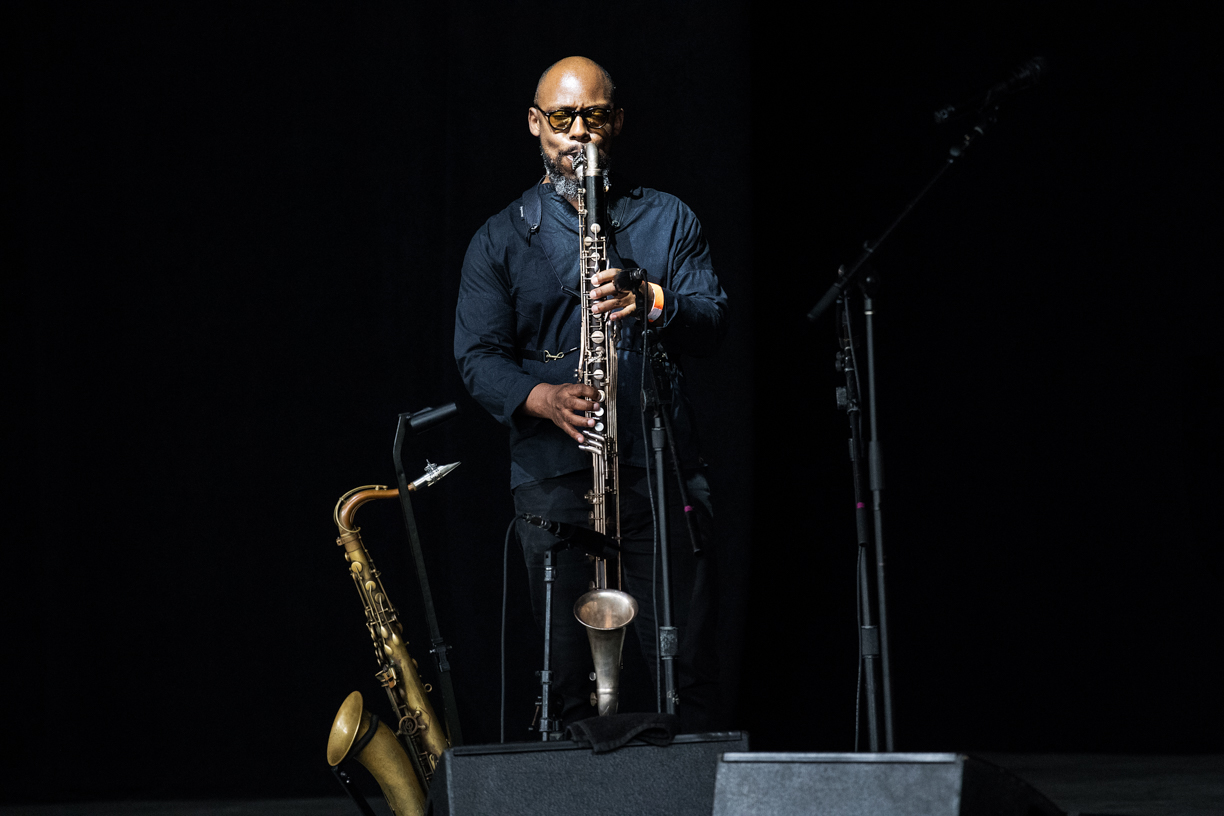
x=563, y=404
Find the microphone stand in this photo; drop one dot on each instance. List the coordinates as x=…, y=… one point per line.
x=873, y=638
x=657, y=399
x=847, y=276
x=594, y=544
x=657, y=403
x=550, y=727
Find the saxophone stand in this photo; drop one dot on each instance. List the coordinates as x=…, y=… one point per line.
x=419, y=422
x=350, y=787
x=657, y=398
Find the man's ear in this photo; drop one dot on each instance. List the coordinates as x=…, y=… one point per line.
x=533, y=122
x=618, y=121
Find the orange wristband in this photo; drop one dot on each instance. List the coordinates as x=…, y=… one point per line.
x=656, y=308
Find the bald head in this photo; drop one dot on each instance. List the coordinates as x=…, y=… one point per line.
x=579, y=92
x=575, y=70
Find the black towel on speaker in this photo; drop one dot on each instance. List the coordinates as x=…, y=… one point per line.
x=605, y=734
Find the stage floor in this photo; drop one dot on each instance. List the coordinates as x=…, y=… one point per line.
x=1123, y=785
x=1079, y=784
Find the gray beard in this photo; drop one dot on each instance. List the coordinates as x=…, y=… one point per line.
x=571, y=189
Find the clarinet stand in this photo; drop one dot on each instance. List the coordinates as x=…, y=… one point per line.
x=873, y=635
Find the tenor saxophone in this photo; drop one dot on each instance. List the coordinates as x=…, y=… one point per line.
x=604, y=612
x=402, y=767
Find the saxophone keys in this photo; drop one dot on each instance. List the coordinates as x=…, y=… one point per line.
x=412, y=723
x=598, y=373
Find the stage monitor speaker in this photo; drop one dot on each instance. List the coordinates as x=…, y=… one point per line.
x=871, y=785
x=562, y=779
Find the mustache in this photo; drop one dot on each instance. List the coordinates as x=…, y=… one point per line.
x=576, y=152
x=560, y=165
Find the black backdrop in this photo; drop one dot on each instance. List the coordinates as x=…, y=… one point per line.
x=237, y=235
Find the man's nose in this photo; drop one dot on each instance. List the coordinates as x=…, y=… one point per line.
x=578, y=130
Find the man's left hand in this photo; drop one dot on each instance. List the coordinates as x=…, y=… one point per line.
x=621, y=304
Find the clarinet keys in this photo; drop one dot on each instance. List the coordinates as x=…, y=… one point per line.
x=595, y=440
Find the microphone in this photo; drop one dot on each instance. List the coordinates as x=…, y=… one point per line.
x=629, y=280
x=571, y=535
x=1024, y=76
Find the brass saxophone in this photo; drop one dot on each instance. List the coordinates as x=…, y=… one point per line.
x=604, y=612
x=403, y=775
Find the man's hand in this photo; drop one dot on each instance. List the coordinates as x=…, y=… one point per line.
x=626, y=302
x=563, y=404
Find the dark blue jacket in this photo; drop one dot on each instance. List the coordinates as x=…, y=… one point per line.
x=519, y=292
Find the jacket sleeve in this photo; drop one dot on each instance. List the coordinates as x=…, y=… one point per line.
x=485, y=324
x=694, y=319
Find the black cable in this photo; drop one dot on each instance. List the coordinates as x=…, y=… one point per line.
x=505, y=583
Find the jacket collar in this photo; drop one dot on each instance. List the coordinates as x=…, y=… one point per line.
x=532, y=208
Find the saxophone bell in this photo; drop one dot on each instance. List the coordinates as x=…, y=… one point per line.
x=359, y=735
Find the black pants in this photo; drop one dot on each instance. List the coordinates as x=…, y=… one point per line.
x=693, y=595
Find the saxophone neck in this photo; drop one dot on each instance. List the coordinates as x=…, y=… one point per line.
x=346, y=505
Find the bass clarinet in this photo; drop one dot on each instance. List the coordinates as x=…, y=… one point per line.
x=604, y=612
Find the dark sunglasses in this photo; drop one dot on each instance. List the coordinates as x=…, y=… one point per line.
x=562, y=119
